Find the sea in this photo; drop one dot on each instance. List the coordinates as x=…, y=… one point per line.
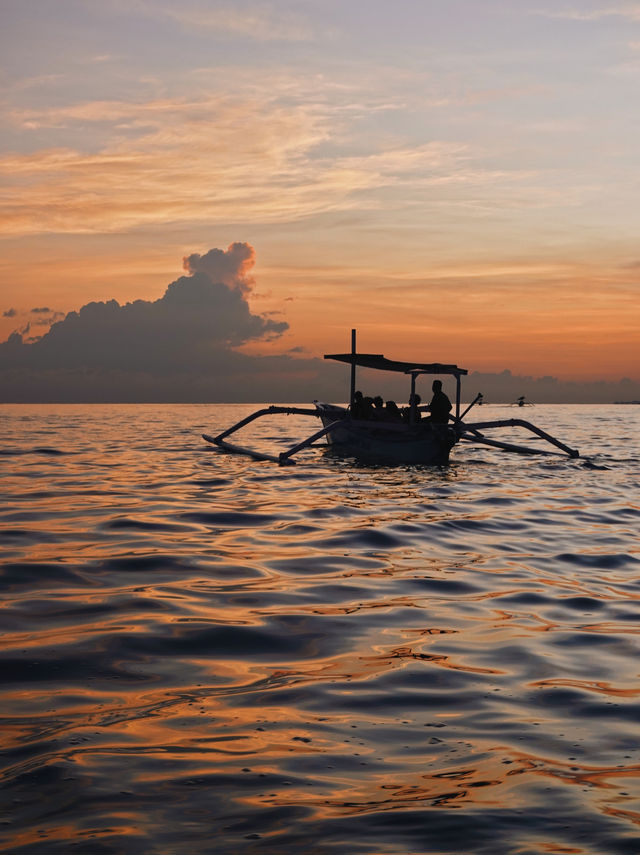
x=205, y=653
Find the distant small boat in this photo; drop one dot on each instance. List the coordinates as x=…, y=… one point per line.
x=522, y=402
x=374, y=437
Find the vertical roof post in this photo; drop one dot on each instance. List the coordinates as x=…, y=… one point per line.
x=412, y=400
x=353, y=368
x=457, y=396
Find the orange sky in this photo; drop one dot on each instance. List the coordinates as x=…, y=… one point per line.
x=545, y=318
x=458, y=186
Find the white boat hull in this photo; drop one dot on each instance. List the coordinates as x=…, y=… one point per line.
x=388, y=442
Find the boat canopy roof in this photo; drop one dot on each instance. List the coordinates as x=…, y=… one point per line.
x=377, y=360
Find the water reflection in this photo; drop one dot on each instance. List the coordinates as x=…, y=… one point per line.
x=204, y=653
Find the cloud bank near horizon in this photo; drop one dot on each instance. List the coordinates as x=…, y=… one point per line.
x=184, y=347
x=198, y=315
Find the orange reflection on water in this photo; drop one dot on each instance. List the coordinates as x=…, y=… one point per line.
x=600, y=777
x=628, y=815
x=365, y=791
x=43, y=833
x=560, y=849
x=598, y=686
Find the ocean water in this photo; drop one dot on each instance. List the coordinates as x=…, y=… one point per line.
x=201, y=653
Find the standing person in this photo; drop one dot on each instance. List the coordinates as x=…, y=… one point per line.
x=440, y=405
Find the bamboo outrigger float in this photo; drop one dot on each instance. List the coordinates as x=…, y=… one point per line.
x=407, y=440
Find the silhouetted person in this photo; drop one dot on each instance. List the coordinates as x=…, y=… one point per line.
x=357, y=405
x=411, y=414
x=440, y=405
x=362, y=408
x=378, y=408
x=392, y=412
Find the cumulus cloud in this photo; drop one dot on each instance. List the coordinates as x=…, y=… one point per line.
x=174, y=348
x=198, y=315
x=45, y=320
x=230, y=267
x=42, y=316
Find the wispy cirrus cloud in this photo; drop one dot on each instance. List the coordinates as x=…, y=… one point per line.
x=629, y=11
x=263, y=22
x=256, y=19
x=219, y=159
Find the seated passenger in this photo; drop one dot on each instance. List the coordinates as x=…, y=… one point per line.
x=356, y=405
x=411, y=414
x=362, y=407
x=378, y=409
x=367, y=408
x=392, y=412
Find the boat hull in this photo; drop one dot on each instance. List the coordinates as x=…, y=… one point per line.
x=387, y=442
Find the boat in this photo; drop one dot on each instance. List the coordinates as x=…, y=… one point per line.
x=376, y=439
x=387, y=442
x=379, y=438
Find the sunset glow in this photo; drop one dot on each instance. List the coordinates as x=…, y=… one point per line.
x=458, y=181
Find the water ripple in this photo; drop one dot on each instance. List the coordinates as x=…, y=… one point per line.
x=202, y=652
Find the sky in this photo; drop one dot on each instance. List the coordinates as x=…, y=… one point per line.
x=456, y=179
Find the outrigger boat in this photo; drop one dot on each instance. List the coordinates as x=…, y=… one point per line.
x=413, y=440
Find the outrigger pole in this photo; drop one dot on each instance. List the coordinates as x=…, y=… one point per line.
x=472, y=433
x=283, y=457
x=477, y=398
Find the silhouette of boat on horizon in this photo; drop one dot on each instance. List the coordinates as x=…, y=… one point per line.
x=411, y=440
